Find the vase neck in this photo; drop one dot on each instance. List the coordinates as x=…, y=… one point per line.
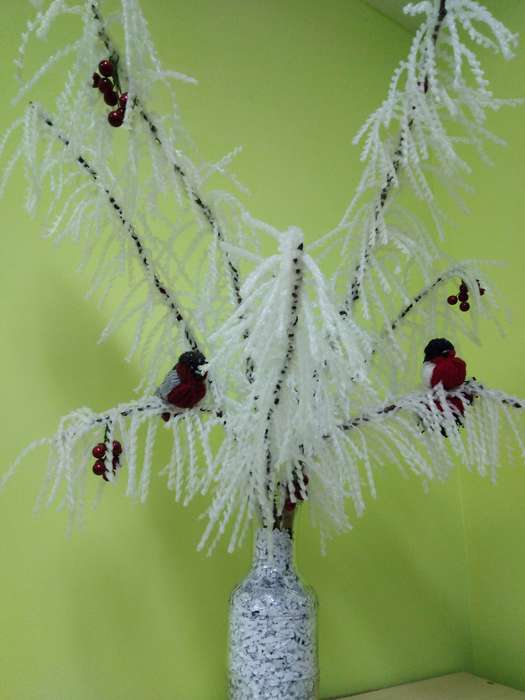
x=273, y=550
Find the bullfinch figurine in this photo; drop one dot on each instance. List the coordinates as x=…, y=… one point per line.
x=441, y=366
x=184, y=385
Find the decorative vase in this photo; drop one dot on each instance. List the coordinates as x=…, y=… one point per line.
x=273, y=627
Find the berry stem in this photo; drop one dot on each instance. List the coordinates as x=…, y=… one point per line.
x=417, y=299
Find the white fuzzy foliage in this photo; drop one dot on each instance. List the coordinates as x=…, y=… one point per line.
x=436, y=108
x=309, y=375
x=135, y=425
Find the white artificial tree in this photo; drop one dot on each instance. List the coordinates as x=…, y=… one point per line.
x=312, y=376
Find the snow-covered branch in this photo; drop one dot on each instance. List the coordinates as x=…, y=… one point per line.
x=166, y=295
x=296, y=281
x=150, y=168
x=70, y=453
x=391, y=178
x=462, y=273
x=193, y=194
x=437, y=103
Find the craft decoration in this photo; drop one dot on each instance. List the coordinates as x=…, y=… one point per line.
x=463, y=296
x=441, y=366
x=185, y=385
x=106, y=80
x=101, y=453
x=312, y=365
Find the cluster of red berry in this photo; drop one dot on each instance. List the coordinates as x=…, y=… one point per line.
x=462, y=296
x=289, y=504
x=99, y=451
x=111, y=91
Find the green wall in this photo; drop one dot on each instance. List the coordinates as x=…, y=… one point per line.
x=494, y=516
x=128, y=608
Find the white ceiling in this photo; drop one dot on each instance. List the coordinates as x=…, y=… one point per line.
x=394, y=10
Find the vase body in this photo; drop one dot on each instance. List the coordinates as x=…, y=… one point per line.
x=273, y=627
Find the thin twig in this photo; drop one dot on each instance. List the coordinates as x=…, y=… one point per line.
x=471, y=389
x=369, y=417
x=418, y=298
x=162, y=409
x=415, y=301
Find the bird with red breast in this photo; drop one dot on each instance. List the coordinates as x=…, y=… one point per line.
x=441, y=366
x=185, y=384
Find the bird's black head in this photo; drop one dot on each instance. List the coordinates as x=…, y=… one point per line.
x=437, y=347
x=193, y=359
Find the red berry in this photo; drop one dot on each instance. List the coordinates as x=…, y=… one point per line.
x=117, y=448
x=105, y=85
x=123, y=100
x=464, y=306
x=110, y=98
x=452, y=299
x=99, y=450
x=165, y=416
x=96, y=79
x=106, y=68
x=116, y=118
x=463, y=296
x=98, y=468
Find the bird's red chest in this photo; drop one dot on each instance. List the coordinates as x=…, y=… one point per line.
x=451, y=371
x=189, y=392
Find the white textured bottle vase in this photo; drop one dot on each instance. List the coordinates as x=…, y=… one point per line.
x=273, y=627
